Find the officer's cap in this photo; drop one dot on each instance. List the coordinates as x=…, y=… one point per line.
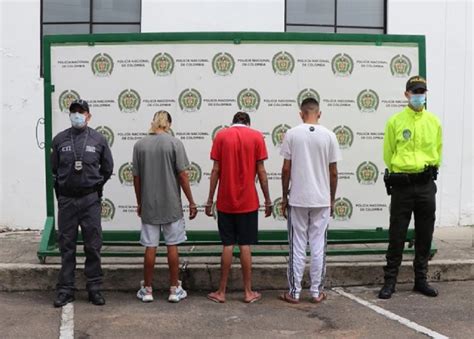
x=81, y=103
x=416, y=82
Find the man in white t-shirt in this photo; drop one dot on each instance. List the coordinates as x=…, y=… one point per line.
x=310, y=153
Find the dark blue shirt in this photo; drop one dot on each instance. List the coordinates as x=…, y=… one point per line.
x=97, y=162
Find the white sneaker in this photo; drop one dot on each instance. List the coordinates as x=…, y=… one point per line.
x=145, y=294
x=177, y=293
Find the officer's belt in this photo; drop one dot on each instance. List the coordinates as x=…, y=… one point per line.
x=403, y=179
x=77, y=192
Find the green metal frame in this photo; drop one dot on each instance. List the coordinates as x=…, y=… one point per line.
x=206, y=239
x=208, y=244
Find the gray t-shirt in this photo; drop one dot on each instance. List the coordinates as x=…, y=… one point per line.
x=157, y=160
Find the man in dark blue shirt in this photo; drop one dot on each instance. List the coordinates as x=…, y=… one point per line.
x=81, y=164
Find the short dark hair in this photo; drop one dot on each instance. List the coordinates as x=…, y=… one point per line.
x=309, y=101
x=241, y=118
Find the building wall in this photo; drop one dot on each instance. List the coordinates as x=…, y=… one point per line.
x=212, y=15
x=22, y=191
x=447, y=25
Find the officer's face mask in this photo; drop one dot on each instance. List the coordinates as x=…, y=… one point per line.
x=78, y=120
x=417, y=100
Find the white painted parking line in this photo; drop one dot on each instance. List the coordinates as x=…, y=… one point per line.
x=66, y=330
x=390, y=315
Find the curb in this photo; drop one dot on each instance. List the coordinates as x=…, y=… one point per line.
x=120, y=277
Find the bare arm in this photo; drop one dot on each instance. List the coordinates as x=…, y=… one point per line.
x=262, y=177
x=285, y=183
x=215, y=173
x=138, y=194
x=183, y=180
x=333, y=183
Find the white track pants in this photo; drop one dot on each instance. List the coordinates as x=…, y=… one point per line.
x=307, y=225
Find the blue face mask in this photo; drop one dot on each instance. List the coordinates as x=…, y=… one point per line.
x=78, y=120
x=417, y=100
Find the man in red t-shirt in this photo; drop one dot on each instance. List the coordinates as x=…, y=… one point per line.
x=238, y=153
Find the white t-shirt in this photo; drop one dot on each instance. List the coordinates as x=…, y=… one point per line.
x=311, y=148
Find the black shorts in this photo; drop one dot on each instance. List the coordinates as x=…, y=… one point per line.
x=238, y=228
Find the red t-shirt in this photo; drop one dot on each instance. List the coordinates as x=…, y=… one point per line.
x=238, y=148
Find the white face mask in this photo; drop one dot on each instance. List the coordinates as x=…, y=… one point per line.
x=417, y=100
x=78, y=120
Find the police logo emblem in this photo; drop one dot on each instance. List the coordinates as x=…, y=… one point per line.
x=126, y=174
x=102, y=65
x=248, y=100
x=277, y=210
x=107, y=210
x=107, y=133
x=194, y=173
x=66, y=98
x=344, y=136
x=223, y=64
x=400, y=66
x=162, y=64
x=190, y=100
x=308, y=93
x=342, y=65
x=283, y=63
x=367, y=173
x=278, y=134
x=342, y=209
x=368, y=101
x=129, y=101
x=406, y=134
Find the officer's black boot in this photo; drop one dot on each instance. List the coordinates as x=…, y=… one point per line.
x=96, y=298
x=387, y=290
x=63, y=299
x=424, y=288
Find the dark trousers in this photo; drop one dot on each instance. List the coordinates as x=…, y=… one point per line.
x=419, y=199
x=86, y=212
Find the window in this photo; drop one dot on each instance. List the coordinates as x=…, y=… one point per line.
x=336, y=16
x=89, y=16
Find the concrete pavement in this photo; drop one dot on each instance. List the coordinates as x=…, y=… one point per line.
x=31, y=315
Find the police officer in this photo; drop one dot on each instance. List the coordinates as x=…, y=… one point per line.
x=412, y=153
x=81, y=164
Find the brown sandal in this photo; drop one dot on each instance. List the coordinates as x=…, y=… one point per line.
x=214, y=299
x=317, y=300
x=257, y=297
x=288, y=298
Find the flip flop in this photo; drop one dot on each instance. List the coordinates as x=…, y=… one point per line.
x=322, y=296
x=211, y=298
x=288, y=298
x=257, y=298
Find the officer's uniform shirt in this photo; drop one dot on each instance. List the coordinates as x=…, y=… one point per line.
x=96, y=159
x=412, y=141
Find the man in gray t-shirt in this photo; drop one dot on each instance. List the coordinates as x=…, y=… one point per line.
x=157, y=159
x=159, y=173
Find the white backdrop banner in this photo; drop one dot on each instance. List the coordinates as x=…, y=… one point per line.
x=202, y=85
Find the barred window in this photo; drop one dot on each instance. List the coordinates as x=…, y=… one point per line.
x=89, y=16
x=336, y=16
